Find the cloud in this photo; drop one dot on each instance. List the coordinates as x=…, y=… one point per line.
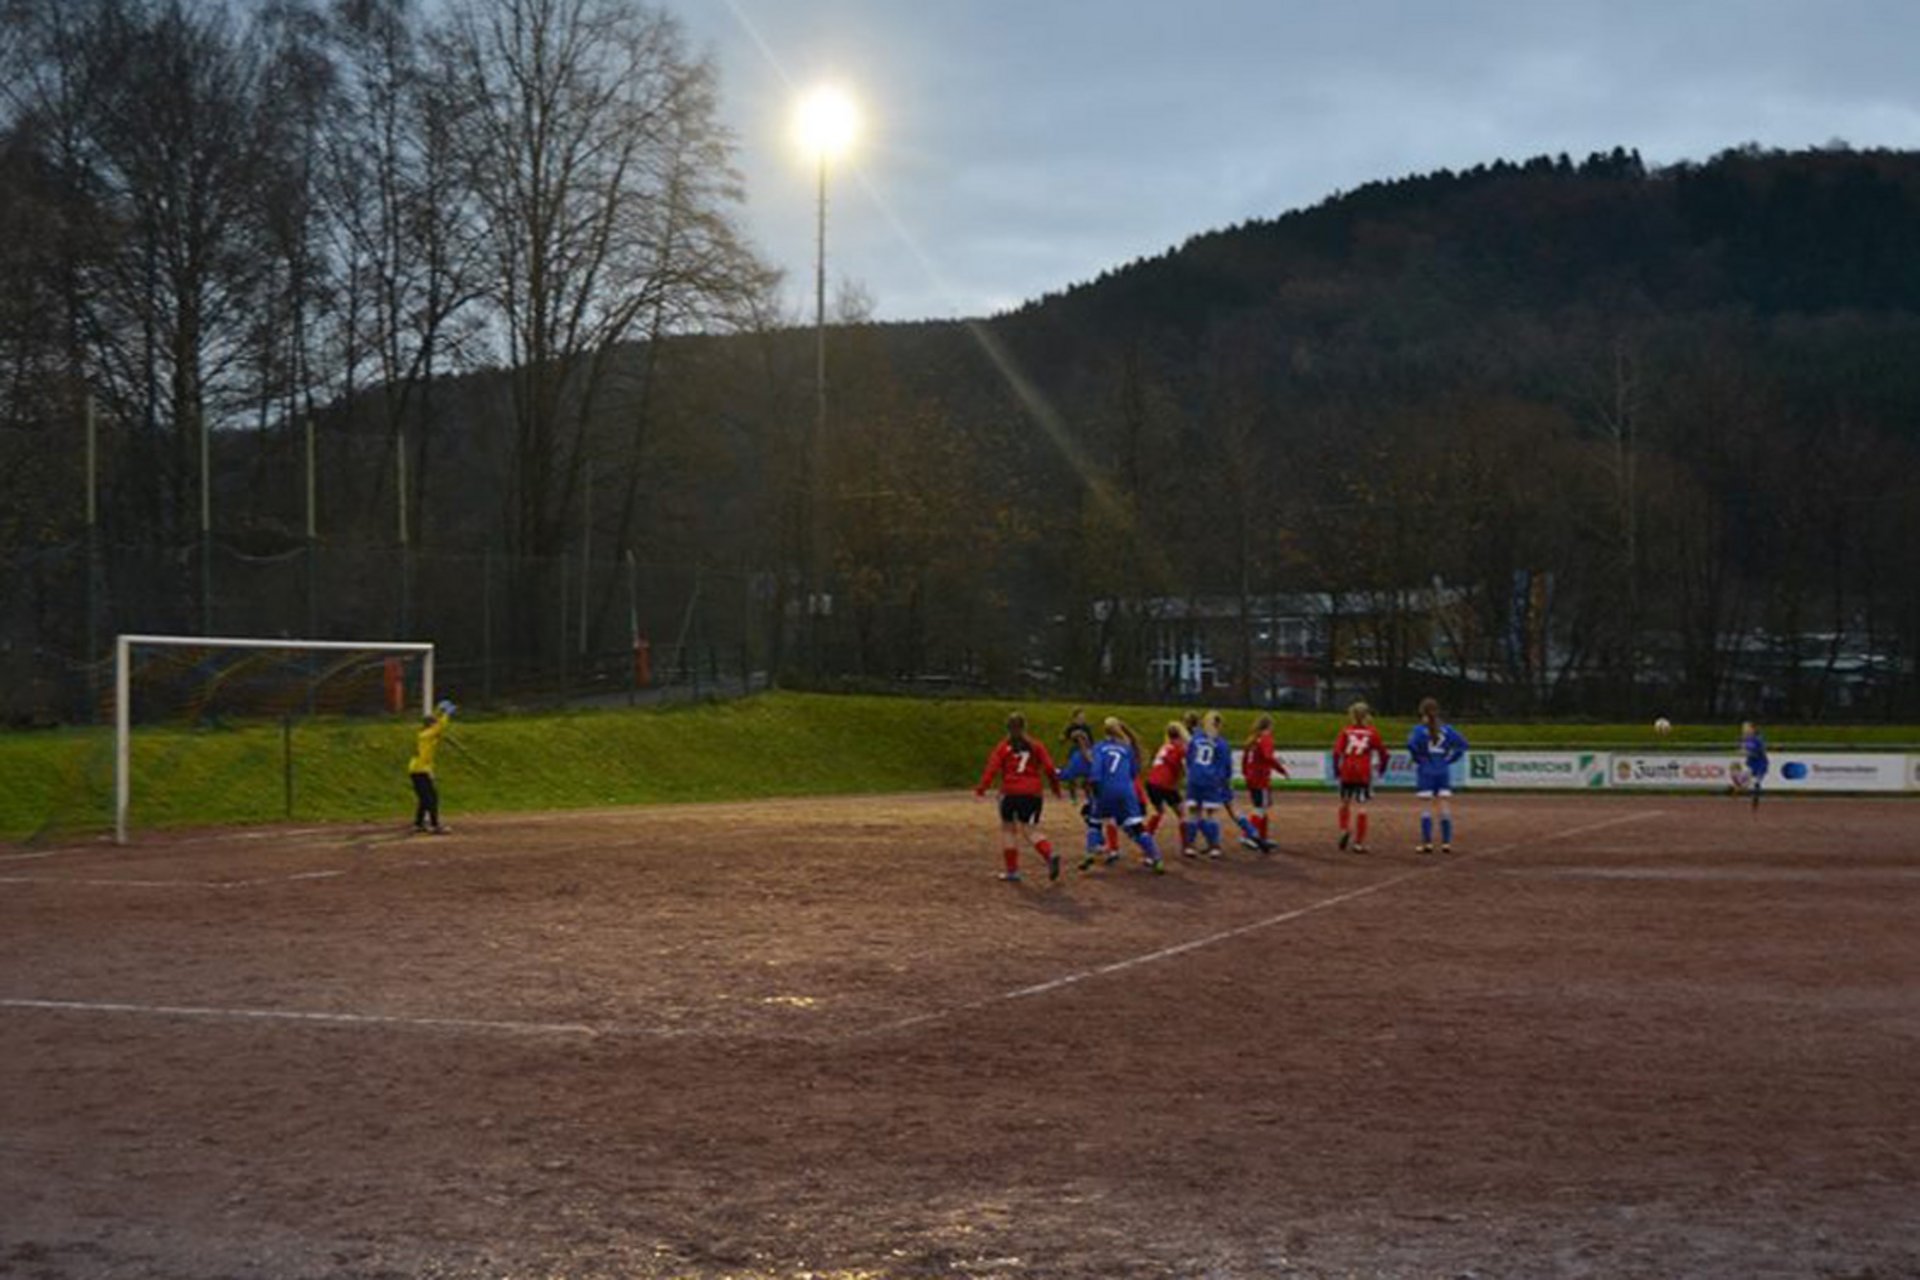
x=1022, y=145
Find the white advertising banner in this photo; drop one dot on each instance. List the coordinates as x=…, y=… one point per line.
x=1400, y=771
x=1787, y=771
x=1307, y=766
x=1836, y=771
x=1672, y=772
x=1304, y=768
x=1566, y=770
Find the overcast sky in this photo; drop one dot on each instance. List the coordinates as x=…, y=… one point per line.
x=1019, y=146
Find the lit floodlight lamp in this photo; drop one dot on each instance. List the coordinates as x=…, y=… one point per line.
x=827, y=122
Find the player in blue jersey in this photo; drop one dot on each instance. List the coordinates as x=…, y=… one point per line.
x=1116, y=791
x=1210, y=789
x=1434, y=747
x=1078, y=774
x=1753, y=747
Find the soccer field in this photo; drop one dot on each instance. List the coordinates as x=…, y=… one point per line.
x=1620, y=1035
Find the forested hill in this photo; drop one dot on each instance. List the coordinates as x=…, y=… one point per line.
x=1689, y=395
x=1775, y=232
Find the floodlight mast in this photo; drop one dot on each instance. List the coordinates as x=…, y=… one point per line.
x=123, y=691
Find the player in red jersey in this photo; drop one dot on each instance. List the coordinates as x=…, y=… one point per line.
x=1260, y=764
x=1163, y=776
x=1355, y=749
x=1025, y=770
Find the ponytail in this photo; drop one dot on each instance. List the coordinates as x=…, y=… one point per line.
x=1115, y=727
x=1017, y=732
x=1260, y=726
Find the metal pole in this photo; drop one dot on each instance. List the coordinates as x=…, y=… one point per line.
x=93, y=564
x=313, y=534
x=122, y=732
x=93, y=507
x=486, y=626
x=633, y=628
x=586, y=548
x=406, y=548
x=819, y=435
x=206, y=526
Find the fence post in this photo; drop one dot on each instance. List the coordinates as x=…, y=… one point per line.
x=486, y=626
x=286, y=761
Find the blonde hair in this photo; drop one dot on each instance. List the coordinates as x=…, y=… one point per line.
x=1359, y=713
x=1115, y=727
x=1260, y=726
x=1214, y=722
x=1176, y=732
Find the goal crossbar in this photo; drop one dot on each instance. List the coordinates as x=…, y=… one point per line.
x=123, y=690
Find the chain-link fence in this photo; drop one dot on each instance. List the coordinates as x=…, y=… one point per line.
x=507, y=629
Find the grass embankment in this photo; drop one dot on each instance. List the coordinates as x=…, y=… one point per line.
x=775, y=744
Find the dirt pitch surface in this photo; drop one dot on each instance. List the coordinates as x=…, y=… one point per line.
x=1609, y=1036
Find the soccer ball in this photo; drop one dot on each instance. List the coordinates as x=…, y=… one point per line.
x=1663, y=726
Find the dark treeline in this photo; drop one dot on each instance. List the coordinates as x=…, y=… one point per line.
x=1552, y=436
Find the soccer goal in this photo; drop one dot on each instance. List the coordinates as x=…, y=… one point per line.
x=198, y=684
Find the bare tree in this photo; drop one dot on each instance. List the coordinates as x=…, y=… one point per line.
x=590, y=141
x=406, y=243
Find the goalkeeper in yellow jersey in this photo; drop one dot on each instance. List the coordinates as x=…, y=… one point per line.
x=426, y=811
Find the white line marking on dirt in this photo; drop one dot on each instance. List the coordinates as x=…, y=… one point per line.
x=117, y=884
x=219, y=885
x=296, y=1015
x=28, y=857
x=1225, y=935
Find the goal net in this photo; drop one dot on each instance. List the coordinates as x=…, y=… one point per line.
x=212, y=718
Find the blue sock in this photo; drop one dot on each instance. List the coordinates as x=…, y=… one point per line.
x=1145, y=840
x=1186, y=833
x=1211, y=830
x=1094, y=842
x=1426, y=828
x=1246, y=828
x=1446, y=831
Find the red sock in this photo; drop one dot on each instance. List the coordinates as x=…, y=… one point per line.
x=1344, y=811
x=1044, y=848
x=1012, y=855
x=1360, y=824
x=1153, y=824
x=1260, y=824
x=1113, y=836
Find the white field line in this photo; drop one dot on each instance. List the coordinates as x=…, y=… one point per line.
x=326, y=873
x=1225, y=935
x=216, y=885
x=29, y=857
x=295, y=1015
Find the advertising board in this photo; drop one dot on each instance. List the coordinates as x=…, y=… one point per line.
x=1672, y=772
x=1564, y=770
x=1837, y=771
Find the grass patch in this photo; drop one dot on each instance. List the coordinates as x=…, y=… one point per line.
x=778, y=744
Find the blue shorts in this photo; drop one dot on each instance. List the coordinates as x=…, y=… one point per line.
x=1433, y=780
x=1116, y=806
x=1209, y=794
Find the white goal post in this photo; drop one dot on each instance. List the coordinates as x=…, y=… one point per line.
x=123, y=690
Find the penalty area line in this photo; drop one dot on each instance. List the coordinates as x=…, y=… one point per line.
x=1239, y=931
